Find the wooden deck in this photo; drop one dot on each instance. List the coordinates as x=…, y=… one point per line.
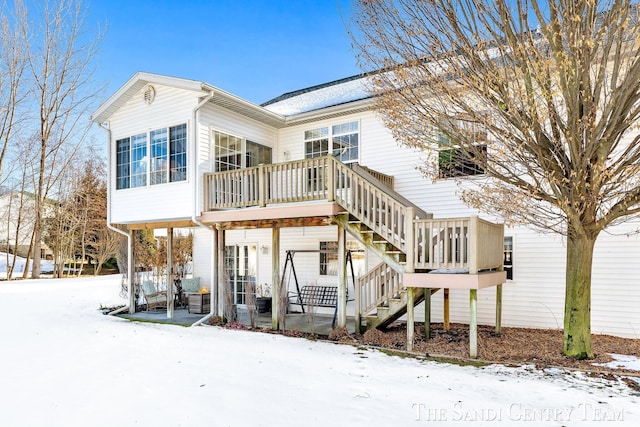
x=411, y=243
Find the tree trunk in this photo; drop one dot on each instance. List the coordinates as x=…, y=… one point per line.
x=577, y=305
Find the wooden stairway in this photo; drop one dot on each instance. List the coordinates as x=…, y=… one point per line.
x=407, y=239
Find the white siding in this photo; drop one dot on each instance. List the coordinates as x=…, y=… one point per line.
x=535, y=298
x=153, y=202
x=214, y=117
x=203, y=256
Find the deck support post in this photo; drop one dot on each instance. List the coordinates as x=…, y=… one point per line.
x=358, y=314
x=342, y=275
x=446, y=308
x=499, y=309
x=473, y=323
x=275, y=278
x=427, y=313
x=220, y=269
x=410, y=317
x=215, y=310
x=170, y=297
x=131, y=272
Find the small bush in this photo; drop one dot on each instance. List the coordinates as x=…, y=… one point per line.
x=216, y=321
x=376, y=337
x=337, y=334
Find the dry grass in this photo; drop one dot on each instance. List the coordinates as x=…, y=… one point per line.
x=541, y=347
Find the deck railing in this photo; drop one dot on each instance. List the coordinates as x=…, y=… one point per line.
x=459, y=243
x=377, y=286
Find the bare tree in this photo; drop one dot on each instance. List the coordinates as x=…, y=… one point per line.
x=60, y=65
x=543, y=96
x=12, y=71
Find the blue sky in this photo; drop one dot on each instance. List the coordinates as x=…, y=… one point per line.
x=255, y=49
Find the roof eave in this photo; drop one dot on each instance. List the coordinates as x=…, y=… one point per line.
x=330, y=112
x=248, y=109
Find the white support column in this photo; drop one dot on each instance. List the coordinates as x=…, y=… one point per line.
x=275, y=277
x=170, y=273
x=473, y=323
x=220, y=269
x=342, y=277
x=427, y=313
x=213, y=272
x=131, y=265
x=410, y=317
x=499, y=309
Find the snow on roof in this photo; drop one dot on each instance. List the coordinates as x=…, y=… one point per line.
x=329, y=94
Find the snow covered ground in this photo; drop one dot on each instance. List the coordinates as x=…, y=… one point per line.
x=46, y=266
x=63, y=363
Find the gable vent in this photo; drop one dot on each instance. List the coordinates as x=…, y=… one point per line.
x=149, y=94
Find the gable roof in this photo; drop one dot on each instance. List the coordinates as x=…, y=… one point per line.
x=325, y=95
x=135, y=84
x=327, y=100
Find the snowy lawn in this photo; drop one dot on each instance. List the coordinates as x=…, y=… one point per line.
x=63, y=363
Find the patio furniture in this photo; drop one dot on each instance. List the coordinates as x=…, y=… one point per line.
x=190, y=285
x=199, y=303
x=152, y=296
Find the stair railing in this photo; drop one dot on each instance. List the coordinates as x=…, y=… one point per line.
x=376, y=287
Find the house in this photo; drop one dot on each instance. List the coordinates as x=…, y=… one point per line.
x=17, y=217
x=312, y=174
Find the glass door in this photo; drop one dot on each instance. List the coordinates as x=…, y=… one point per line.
x=241, y=268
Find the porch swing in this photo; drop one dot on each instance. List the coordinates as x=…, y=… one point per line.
x=315, y=295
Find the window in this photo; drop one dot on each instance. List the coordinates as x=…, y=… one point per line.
x=329, y=258
x=455, y=162
x=257, y=154
x=229, y=153
x=178, y=153
x=344, y=145
x=139, y=160
x=316, y=143
x=123, y=163
x=508, y=256
x=156, y=157
x=344, y=142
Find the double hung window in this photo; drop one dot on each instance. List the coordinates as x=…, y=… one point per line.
x=340, y=140
x=456, y=161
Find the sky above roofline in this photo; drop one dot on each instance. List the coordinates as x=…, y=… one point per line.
x=255, y=49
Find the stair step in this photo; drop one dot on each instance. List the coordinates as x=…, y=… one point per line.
x=382, y=311
x=396, y=302
x=371, y=320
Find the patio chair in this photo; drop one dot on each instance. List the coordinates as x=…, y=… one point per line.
x=190, y=286
x=152, y=296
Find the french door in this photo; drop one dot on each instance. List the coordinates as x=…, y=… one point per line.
x=241, y=262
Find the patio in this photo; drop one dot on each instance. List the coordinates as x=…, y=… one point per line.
x=320, y=324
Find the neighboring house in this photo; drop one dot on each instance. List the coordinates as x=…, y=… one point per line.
x=315, y=171
x=17, y=215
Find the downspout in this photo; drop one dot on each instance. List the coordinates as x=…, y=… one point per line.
x=196, y=189
x=110, y=225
